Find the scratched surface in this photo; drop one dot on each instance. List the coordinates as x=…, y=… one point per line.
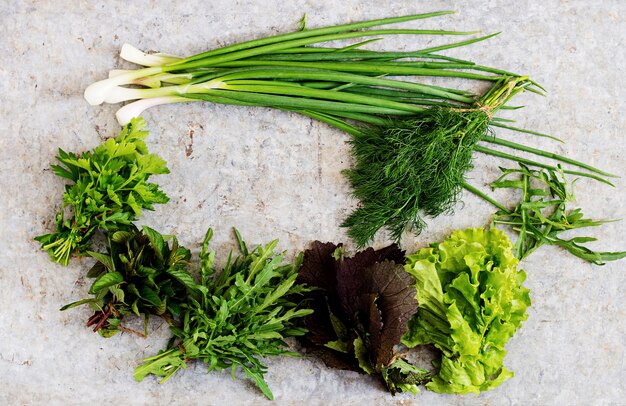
x=277, y=175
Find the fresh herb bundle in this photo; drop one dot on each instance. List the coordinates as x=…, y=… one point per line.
x=349, y=88
x=471, y=301
x=241, y=315
x=108, y=191
x=139, y=274
x=361, y=308
x=417, y=165
x=542, y=214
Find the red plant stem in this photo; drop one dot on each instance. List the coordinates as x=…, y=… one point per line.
x=104, y=318
x=93, y=319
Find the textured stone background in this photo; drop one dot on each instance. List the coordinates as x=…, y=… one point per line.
x=272, y=174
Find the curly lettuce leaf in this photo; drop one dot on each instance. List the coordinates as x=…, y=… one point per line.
x=471, y=302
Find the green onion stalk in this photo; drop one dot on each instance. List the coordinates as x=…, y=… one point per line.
x=413, y=142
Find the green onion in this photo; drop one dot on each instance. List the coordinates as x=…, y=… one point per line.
x=427, y=133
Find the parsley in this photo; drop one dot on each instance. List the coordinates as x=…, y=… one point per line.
x=108, y=191
x=240, y=315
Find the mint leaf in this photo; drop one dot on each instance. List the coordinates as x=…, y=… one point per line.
x=106, y=280
x=133, y=278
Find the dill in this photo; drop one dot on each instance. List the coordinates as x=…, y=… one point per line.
x=410, y=166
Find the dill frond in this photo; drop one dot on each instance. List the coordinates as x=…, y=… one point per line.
x=410, y=168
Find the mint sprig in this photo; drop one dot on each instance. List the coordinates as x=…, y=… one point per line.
x=142, y=274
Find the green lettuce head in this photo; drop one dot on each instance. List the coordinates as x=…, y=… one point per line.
x=471, y=301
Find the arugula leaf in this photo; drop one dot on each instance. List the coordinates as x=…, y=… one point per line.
x=133, y=278
x=362, y=305
x=237, y=316
x=108, y=192
x=471, y=301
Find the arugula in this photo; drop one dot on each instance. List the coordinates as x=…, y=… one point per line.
x=542, y=214
x=108, y=191
x=139, y=274
x=240, y=315
x=361, y=308
x=471, y=301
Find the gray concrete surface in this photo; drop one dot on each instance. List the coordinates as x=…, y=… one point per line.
x=273, y=174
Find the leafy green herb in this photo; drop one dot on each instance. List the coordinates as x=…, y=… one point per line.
x=542, y=214
x=241, y=314
x=410, y=167
x=108, y=191
x=140, y=274
x=471, y=301
x=361, y=307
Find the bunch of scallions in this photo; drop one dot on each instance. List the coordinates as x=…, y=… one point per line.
x=412, y=142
